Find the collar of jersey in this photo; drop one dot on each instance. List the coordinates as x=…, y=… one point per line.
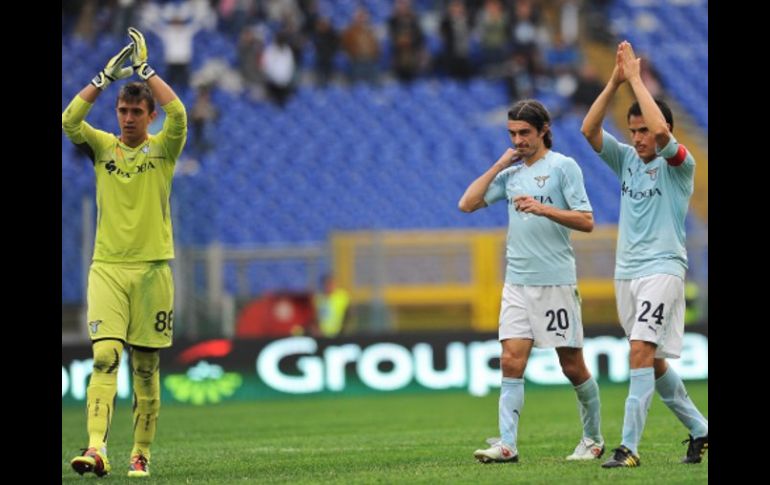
x=548, y=152
x=123, y=146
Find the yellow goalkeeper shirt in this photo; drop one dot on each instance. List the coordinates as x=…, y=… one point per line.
x=133, y=185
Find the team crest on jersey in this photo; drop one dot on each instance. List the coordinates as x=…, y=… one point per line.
x=653, y=173
x=146, y=149
x=94, y=326
x=541, y=180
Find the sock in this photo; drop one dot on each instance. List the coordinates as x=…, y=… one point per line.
x=672, y=391
x=637, y=404
x=100, y=397
x=589, y=407
x=509, y=411
x=146, y=372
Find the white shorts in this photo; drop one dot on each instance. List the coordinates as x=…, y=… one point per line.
x=549, y=315
x=651, y=308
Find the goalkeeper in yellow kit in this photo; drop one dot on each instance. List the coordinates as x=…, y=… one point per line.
x=130, y=285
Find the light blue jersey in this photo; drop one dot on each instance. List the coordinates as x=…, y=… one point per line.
x=538, y=250
x=653, y=205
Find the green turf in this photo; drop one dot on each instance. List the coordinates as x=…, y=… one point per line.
x=406, y=438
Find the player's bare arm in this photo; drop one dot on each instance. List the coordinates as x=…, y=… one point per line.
x=592, y=123
x=473, y=198
x=577, y=220
x=651, y=113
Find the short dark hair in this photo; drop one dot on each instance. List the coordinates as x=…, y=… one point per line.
x=534, y=113
x=135, y=92
x=636, y=110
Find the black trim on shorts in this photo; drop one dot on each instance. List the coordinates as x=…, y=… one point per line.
x=145, y=349
x=109, y=338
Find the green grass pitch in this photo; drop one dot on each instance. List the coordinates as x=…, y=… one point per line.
x=387, y=438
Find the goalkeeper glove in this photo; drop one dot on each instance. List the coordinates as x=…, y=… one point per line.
x=139, y=56
x=114, y=69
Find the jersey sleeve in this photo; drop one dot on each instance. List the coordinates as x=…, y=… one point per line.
x=496, y=190
x=174, y=133
x=573, y=187
x=679, y=163
x=88, y=139
x=613, y=152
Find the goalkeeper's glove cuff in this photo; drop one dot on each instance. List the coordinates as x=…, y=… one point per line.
x=144, y=71
x=101, y=81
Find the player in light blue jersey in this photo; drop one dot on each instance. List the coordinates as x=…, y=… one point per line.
x=656, y=176
x=540, y=304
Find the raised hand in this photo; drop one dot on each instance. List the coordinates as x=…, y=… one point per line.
x=507, y=159
x=139, y=57
x=618, y=75
x=631, y=64
x=114, y=69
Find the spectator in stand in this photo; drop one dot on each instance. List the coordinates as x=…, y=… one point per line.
x=589, y=87
x=409, y=56
x=326, y=42
x=493, y=32
x=279, y=68
x=362, y=48
x=250, y=48
x=177, y=35
x=235, y=15
x=203, y=113
x=456, y=34
x=526, y=33
x=518, y=78
x=123, y=17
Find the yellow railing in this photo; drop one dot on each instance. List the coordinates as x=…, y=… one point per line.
x=462, y=270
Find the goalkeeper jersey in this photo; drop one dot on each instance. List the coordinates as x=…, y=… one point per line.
x=133, y=185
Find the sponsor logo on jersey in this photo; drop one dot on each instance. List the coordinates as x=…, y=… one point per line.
x=114, y=169
x=639, y=194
